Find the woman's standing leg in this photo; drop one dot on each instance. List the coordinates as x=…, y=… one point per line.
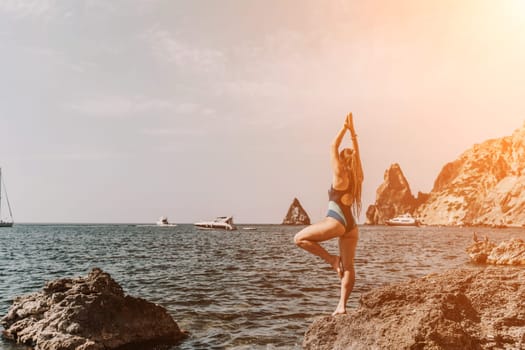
x=309, y=238
x=347, y=248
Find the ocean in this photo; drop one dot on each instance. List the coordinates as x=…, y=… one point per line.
x=230, y=289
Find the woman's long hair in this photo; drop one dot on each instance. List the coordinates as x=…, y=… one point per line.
x=354, y=171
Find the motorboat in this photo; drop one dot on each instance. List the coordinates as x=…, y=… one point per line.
x=163, y=221
x=221, y=222
x=403, y=220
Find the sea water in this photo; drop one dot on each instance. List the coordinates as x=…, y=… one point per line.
x=230, y=289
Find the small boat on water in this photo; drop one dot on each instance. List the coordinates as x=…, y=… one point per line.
x=403, y=220
x=5, y=223
x=163, y=221
x=221, y=222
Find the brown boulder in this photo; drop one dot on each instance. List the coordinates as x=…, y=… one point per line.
x=480, y=250
x=459, y=309
x=87, y=313
x=511, y=252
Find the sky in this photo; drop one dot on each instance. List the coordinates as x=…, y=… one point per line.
x=123, y=111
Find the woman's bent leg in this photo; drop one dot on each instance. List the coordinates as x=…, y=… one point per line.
x=347, y=247
x=324, y=230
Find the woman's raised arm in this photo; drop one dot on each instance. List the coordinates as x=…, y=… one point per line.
x=350, y=125
x=334, y=149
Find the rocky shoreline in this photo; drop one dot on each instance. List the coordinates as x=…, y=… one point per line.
x=88, y=313
x=459, y=309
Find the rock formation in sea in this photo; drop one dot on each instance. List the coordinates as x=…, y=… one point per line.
x=458, y=309
x=484, y=186
x=296, y=215
x=510, y=252
x=87, y=313
x=480, y=250
x=393, y=197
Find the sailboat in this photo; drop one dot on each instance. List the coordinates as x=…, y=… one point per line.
x=2, y=222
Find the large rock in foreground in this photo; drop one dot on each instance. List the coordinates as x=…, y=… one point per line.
x=296, y=215
x=87, y=313
x=459, y=309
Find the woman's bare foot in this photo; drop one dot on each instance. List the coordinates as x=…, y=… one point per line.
x=337, y=265
x=339, y=311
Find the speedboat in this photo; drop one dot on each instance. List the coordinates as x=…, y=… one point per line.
x=163, y=221
x=403, y=220
x=221, y=222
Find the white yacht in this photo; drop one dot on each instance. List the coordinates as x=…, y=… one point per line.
x=403, y=220
x=221, y=222
x=163, y=221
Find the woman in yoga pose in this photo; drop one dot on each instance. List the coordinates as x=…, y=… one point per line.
x=344, y=201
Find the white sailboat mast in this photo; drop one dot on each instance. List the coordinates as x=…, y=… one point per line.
x=0, y=194
x=5, y=223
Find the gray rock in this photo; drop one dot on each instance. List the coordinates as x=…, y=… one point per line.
x=87, y=313
x=459, y=309
x=296, y=215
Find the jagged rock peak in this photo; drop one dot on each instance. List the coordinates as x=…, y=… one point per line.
x=393, y=197
x=296, y=215
x=396, y=179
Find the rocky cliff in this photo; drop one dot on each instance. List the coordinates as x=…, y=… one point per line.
x=459, y=309
x=393, y=198
x=483, y=186
x=88, y=313
x=296, y=215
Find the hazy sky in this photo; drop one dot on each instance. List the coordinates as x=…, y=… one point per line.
x=122, y=111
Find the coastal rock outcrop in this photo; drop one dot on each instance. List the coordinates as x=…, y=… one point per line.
x=87, y=313
x=393, y=197
x=483, y=186
x=480, y=250
x=296, y=215
x=511, y=252
x=458, y=309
